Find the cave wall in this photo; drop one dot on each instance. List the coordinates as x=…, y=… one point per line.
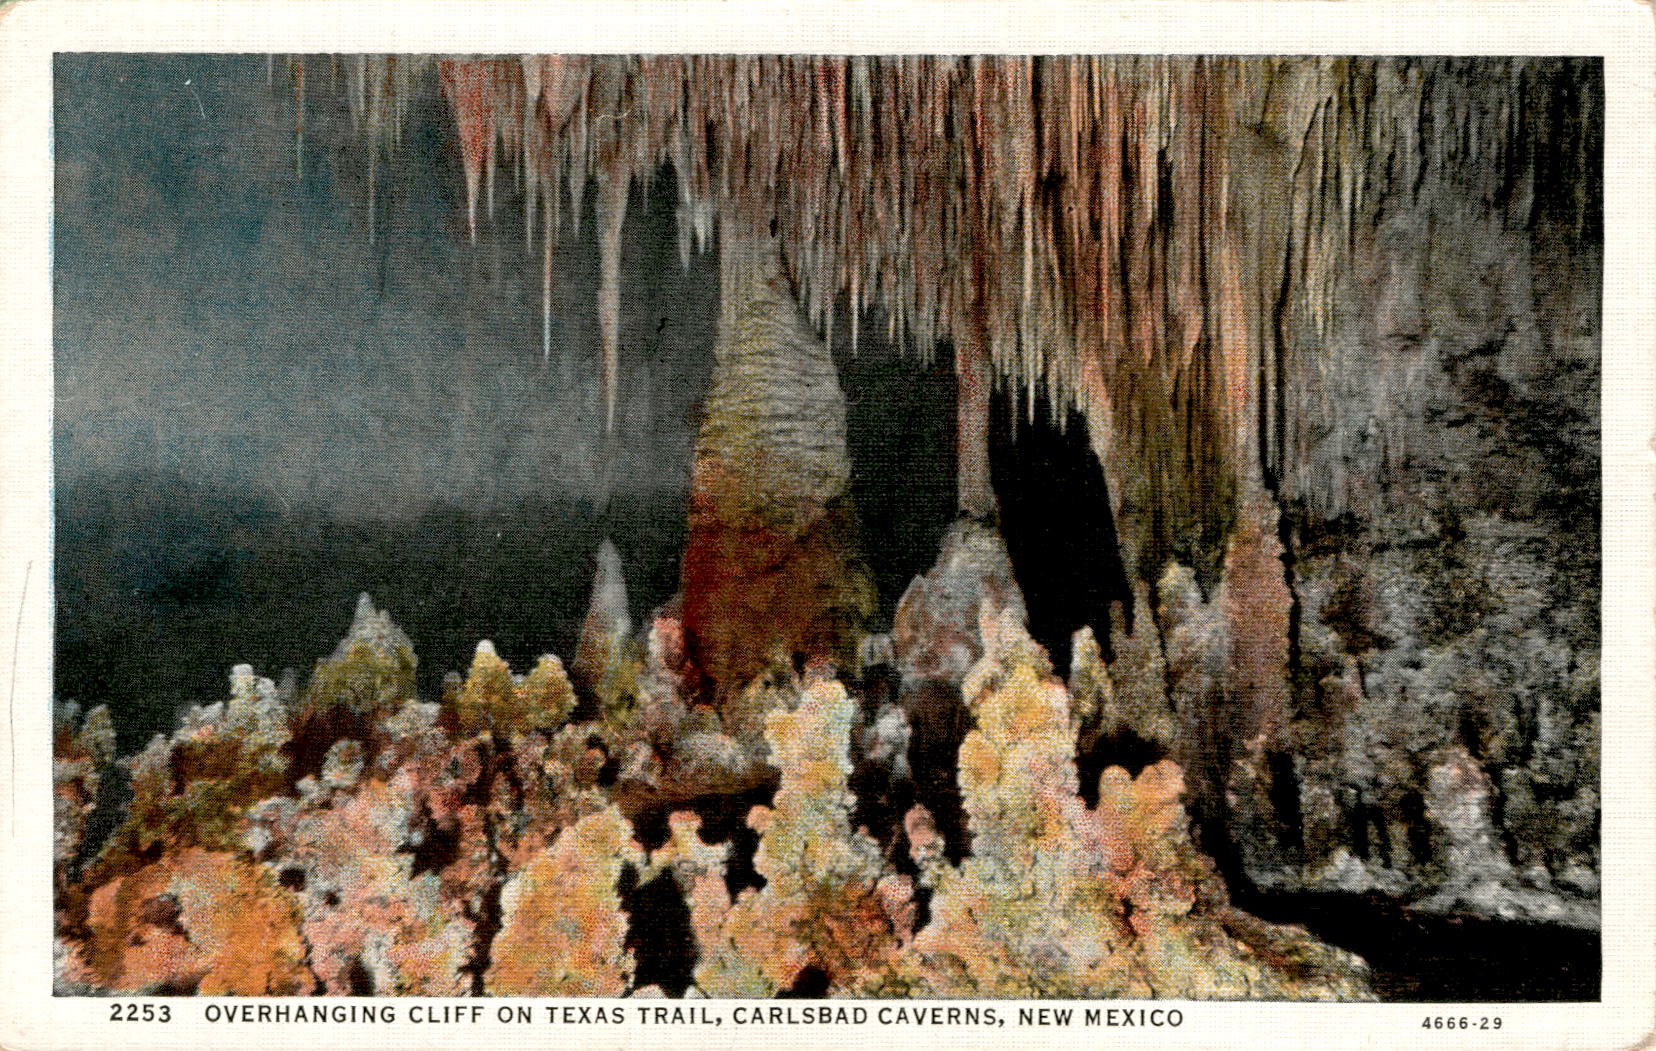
x=1394, y=686
x=1449, y=639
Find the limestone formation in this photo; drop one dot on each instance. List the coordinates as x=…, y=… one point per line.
x=772, y=567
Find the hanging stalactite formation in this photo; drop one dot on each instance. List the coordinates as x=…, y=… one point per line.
x=1154, y=240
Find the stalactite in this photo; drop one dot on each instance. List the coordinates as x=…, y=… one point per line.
x=612, y=213
x=976, y=497
x=546, y=287
x=469, y=89
x=1156, y=241
x=299, y=119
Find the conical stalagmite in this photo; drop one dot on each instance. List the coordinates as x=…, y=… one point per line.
x=771, y=567
x=606, y=629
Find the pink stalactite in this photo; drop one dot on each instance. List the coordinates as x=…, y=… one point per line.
x=470, y=88
x=1096, y=190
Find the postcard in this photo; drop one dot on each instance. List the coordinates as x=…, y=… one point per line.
x=722, y=523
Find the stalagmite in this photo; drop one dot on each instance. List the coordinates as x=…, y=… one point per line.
x=608, y=622
x=771, y=566
x=539, y=951
x=83, y=754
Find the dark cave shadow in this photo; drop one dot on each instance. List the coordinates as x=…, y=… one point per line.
x=1421, y=957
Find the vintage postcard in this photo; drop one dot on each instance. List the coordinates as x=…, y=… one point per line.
x=1018, y=525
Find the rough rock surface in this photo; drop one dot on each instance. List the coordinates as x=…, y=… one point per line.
x=935, y=632
x=1440, y=601
x=1448, y=644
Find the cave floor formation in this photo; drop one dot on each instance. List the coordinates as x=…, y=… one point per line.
x=876, y=829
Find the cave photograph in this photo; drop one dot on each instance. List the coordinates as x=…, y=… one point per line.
x=937, y=526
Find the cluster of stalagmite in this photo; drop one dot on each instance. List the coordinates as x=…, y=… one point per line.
x=480, y=847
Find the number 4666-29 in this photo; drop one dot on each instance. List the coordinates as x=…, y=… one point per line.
x=1460, y=1022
